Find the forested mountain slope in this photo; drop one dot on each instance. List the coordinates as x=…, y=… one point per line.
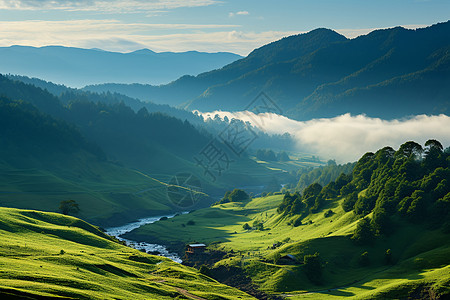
x=323, y=74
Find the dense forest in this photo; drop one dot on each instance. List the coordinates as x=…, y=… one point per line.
x=411, y=183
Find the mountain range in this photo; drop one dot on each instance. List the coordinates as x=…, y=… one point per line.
x=323, y=74
x=77, y=67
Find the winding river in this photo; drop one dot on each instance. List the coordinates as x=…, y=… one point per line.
x=118, y=231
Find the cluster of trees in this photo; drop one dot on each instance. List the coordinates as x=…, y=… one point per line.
x=269, y=155
x=411, y=182
x=236, y=195
x=106, y=120
x=25, y=129
x=321, y=175
x=312, y=198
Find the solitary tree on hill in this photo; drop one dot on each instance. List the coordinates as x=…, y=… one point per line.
x=68, y=207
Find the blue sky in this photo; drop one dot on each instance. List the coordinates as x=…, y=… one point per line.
x=203, y=25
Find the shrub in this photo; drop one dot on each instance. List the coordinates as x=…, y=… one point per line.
x=313, y=268
x=349, y=201
x=297, y=222
x=328, y=213
x=190, y=222
x=363, y=234
x=205, y=270
x=69, y=206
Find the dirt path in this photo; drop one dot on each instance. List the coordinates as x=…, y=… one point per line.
x=189, y=295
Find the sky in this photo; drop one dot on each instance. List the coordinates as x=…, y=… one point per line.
x=237, y=26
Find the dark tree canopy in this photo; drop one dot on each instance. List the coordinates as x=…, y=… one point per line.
x=69, y=207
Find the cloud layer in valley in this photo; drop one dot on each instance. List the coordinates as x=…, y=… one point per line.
x=346, y=138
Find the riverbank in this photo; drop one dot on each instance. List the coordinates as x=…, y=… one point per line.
x=155, y=247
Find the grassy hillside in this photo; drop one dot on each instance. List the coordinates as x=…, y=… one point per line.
x=44, y=161
x=107, y=194
x=51, y=255
x=151, y=142
x=404, y=250
x=421, y=256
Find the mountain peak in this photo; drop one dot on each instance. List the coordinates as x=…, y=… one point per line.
x=143, y=51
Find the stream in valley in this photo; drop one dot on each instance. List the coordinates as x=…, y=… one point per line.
x=120, y=230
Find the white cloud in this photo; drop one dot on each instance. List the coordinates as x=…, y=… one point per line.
x=239, y=13
x=102, y=5
x=111, y=34
x=347, y=138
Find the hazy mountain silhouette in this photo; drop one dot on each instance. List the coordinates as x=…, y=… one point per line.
x=78, y=67
x=187, y=88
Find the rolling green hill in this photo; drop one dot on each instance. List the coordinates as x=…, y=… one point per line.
x=48, y=255
x=115, y=162
x=44, y=161
x=364, y=236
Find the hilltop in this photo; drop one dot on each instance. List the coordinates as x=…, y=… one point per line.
x=63, y=257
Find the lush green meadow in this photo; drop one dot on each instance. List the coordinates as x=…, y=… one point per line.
x=106, y=193
x=420, y=256
x=49, y=254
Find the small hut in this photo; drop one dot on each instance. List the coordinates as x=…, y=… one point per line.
x=195, y=248
x=288, y=259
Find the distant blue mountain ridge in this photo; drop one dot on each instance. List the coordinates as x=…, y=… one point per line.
x=76, y=67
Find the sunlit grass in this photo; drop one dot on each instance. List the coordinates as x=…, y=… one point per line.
x=51, y=254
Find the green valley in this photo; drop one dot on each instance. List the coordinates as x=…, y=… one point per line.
x=403, y=252
x=257, y=180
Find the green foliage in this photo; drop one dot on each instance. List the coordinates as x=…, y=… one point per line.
x=324, y=175
x=364, y=205
x=258, y=225
x=266, y=155
x=363, y=234
x=246, y=226
x=313, y=268
x=328, y=213
x=283, y=156
x=297, y=222
x=69, y=207
x=205, y=270
x=381, y=222
x=349, y=201
x=236, y=195
x=190, y=222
